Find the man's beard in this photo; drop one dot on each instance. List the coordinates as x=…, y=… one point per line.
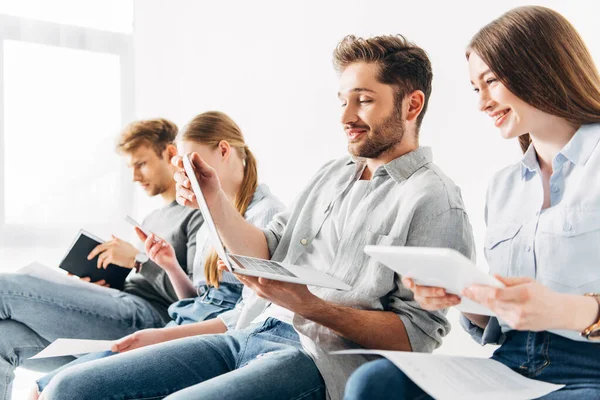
x=155, y=190
x=381, y=138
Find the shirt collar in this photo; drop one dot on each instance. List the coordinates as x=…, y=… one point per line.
x=578, y=150
x=529, y=163
x=401, y=168
x=260, y=193
x=582, y=144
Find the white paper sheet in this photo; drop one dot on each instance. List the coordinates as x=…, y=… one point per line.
x=71, y=347
x=449, y=378
x=57, y=275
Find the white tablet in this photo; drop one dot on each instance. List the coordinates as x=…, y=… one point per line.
x=430, y=266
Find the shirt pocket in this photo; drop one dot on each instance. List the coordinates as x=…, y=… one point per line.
x=377, y=239
x=372, y=274
x=569, y=251
x=498, y=247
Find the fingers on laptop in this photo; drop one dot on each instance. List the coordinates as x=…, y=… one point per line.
x=177, y=161
x=221, y=265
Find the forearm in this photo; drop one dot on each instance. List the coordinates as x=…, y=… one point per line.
x=369, y=329
x=238, y=235
x=479, y=320
x=575, y=312
x=184, y=288
x=212, y=326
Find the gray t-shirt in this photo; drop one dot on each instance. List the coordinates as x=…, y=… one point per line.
x=178, y=225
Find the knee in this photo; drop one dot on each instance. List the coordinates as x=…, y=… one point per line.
x=367, y=381
x=67, y=384
x=15, y=283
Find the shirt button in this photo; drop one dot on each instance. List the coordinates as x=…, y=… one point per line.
x=555, y=189
x=528, y=248
x=303, y=242
x=567, y=227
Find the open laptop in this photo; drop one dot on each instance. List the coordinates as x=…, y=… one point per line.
x=251, y=266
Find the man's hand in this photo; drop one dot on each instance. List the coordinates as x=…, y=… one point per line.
x=139, y=339
x=205, y=174
x=115, y=251
x=159, y=250
x=101, y=282
x=292, y=296
x=431, y=298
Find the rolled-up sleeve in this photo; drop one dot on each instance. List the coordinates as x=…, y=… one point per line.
x=274, y=230
x=448, y=229
x=492, y=334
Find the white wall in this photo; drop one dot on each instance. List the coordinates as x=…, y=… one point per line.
x=268, y=65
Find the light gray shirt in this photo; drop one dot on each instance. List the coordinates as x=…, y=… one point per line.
x=408, y=202
x=558, y=246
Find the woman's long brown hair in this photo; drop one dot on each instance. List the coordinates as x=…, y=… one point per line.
x=209, y=129
x=539, y=56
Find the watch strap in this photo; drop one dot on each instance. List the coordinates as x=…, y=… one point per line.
x=592, y=332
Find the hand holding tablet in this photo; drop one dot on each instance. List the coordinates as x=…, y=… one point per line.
x=436, y=267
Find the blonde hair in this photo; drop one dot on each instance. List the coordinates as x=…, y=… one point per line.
x=209, y=129
x=156, y=133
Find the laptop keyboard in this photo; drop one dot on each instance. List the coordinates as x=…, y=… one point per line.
x=255, y=264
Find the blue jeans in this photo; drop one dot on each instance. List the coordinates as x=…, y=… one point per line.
x=210, y=303
x=263, y=361
x=537, y=355
x=35, y=312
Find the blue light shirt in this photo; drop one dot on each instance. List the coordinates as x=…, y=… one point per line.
x=558, y=246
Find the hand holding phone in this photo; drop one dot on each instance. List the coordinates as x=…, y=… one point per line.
x=137, y=225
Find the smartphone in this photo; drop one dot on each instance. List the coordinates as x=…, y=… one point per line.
x=136, y=224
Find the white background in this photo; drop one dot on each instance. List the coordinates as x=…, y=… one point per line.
x=268, y=65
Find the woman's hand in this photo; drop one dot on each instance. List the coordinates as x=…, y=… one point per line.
x=431, y=298
x=139, y=339
x=526, y=304
x=159, y=250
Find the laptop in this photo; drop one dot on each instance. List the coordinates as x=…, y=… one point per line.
x=258, y=267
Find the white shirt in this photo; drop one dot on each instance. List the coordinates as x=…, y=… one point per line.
x=322, y=250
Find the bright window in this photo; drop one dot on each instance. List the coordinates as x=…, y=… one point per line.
x=66, y=91
x=62, y=112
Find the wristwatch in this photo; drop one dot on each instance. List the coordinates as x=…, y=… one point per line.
x=140, y=259
x=592, y=332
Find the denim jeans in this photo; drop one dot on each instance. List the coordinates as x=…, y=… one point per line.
x=209, y=304
x=35, y=312
x=537, y=355
x=263, y=361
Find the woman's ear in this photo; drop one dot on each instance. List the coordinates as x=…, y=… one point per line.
x=224, y=149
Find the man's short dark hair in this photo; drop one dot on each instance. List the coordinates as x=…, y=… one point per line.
x=401, y=63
